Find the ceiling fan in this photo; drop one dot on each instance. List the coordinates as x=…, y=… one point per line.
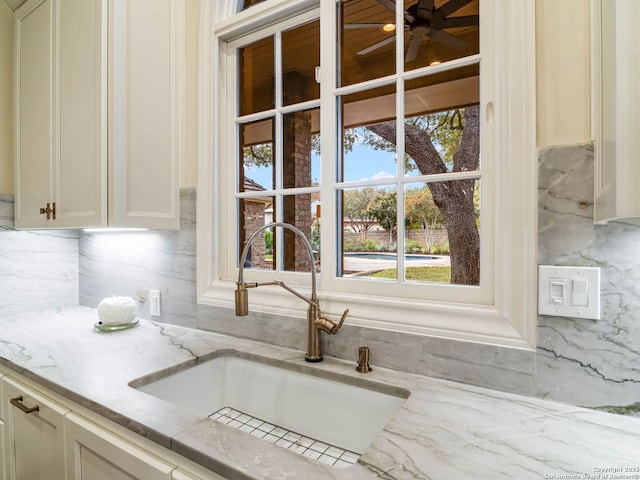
x=423, y=18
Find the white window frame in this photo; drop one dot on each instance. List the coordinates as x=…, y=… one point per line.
x=506, y=312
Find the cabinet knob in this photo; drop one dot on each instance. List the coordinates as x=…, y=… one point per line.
x=49, y=211
x=17, y=402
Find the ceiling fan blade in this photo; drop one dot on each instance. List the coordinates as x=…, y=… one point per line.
x=408, y=18
x=364, y=25
x=424, y=9
x=456, y=22
x=449, y=7
x=377, y=45
x=414, y=46
x=390, y=4
x=447, y=39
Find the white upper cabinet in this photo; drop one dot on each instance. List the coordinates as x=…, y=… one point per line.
x=60, y=106
x=146, y=121
x=616, y=108
x=99, y=122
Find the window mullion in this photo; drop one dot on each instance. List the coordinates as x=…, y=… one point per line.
x=400, y=32
x=278, y=114
x=277, y=151
x=400, y=234
x=328, y=142
x=228, y=182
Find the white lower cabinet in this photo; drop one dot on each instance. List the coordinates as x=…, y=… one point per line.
x=3, y=463
x=33, y=434
x=180, y=475
x=2, y=459
x=43, y=436
x=95, y=454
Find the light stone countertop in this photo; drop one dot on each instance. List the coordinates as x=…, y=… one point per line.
x=445, y=430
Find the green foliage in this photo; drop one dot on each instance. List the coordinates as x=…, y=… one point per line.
x=352, y=246
x=268, y=242
x=355, y=208
x=315, y=237
x=412, y=246
x=363, y=246
x=259, y=155
x=371, y=246
x=421, y=210
x=383, y=209
x=445, y=130
x=476, y=203
x=440, y=248
x=436, y=274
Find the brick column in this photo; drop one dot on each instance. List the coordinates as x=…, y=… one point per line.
x=297, y=173
x=253, y=220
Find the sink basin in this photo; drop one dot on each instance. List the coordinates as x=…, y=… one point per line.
x=339, y=410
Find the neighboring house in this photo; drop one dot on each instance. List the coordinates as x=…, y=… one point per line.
x=255, y=216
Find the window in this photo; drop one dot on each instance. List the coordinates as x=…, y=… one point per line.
x=406, y=155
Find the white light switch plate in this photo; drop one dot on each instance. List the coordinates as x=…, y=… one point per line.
x=569, y=291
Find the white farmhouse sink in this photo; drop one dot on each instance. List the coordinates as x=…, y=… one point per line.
x=328, y=410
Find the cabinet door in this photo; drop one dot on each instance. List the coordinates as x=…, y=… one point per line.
x=80, y=183
x=3, y=463
x=34, y=440
x=95, y=454
x=61, y=134
x=200, y=475
x=146, y=120
x=35, y=106
x=617, y=110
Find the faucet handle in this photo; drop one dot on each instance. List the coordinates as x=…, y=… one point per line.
x=342, y=319
x=330, y=326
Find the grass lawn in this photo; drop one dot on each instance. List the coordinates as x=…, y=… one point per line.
x=421, y=274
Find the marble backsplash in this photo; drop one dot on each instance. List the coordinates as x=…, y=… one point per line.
x=587, y=362
x=38, y=269
x=132, y=263
x=581, y=362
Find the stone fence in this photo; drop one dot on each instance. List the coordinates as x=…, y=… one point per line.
x=425, y=238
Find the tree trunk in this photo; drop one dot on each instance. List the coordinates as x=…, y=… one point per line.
x=453, y=198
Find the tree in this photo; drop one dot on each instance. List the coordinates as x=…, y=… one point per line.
x=421, y=209
x=455, y=199
x=355, y=208
x=384, y=209
x=259, y=155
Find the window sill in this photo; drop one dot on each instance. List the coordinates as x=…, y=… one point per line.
x=479, y=324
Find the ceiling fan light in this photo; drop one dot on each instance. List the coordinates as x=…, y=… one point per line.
x=389, y=27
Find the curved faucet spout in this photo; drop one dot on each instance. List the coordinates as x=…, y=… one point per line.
x=315, y=322
x=298, y=232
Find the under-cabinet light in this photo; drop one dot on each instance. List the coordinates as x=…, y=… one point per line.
x=113, y=230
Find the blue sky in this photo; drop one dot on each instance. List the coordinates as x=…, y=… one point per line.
x=361, y=163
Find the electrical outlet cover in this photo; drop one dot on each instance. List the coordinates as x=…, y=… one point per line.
x=562, y=291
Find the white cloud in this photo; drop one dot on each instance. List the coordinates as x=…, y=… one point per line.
x=379, y=175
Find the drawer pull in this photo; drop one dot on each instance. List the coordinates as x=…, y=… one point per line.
x=18, y=403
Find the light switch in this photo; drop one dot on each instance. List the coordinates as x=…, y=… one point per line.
x=556, y=291
x=569, y=291
x=580, y=292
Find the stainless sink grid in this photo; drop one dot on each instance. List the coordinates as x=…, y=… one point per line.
x=303, y=445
